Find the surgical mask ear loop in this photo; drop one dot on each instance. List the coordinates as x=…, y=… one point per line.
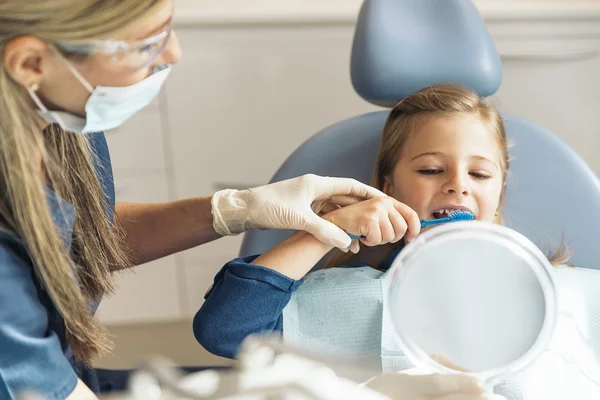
x=75, y=73
x=79, y=77
x=32, y=89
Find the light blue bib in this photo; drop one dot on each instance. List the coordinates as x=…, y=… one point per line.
x=337, y=312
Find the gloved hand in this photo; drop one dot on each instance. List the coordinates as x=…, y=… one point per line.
x=403, y=386
x=289, y=204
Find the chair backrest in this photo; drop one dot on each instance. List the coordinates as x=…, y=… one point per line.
x=401, y=46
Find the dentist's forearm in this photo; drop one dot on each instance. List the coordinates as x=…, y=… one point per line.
x=295, y=256
x=153, y=231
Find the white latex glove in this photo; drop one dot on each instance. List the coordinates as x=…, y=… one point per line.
x=403, y=386
x=290, y=204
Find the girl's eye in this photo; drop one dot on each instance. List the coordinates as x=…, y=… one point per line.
x=479, y=175
x=430, y=171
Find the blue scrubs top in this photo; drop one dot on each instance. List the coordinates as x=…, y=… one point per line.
x=34, y=353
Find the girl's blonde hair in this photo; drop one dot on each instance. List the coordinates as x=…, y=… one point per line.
x=443, y=100
x=73, y=281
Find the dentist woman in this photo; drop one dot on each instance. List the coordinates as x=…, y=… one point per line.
x=71, y=69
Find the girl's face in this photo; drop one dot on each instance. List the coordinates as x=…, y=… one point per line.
x=449, y=163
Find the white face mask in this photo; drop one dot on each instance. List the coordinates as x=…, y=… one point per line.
x=108, y=107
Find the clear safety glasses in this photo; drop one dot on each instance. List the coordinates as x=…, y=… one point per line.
x=125, y=55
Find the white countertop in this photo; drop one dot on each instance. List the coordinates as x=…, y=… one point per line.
x=276, y=11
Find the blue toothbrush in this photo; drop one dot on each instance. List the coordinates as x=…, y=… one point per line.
x=457, y=215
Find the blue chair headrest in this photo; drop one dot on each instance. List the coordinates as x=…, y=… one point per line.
x=401, y=46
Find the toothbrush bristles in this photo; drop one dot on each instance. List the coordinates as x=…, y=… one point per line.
x=461, y=215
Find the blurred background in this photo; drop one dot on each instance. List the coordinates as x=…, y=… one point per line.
x=256, y=80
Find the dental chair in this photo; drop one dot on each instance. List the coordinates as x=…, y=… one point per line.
x=401, y=46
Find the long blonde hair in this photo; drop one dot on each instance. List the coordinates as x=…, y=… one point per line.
x=421, y=107
x=73, y=280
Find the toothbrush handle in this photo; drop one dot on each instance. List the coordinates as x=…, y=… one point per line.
x=425, y=223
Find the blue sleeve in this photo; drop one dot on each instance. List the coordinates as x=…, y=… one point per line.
x=32, y=356
x=245, y=299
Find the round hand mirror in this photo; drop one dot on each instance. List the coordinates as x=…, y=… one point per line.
x=472, y=296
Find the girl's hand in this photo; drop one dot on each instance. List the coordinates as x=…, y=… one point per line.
x=380, y=220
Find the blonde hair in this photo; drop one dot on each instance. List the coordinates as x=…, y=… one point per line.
x=75, y=280
x=443, y=100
